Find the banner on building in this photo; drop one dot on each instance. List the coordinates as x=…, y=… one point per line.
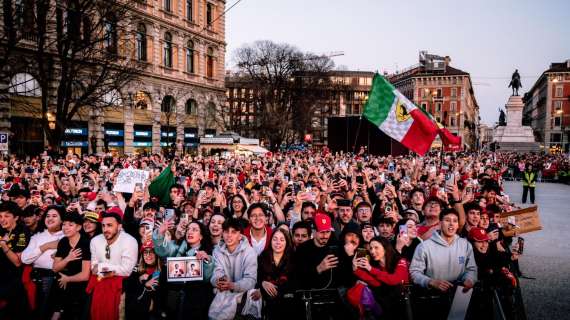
x=128, y=178
x=520, y=221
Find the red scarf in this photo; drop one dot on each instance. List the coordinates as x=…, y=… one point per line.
x=106, y=297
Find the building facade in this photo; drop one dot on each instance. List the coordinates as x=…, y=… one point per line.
x=547, y=107
x=180, y=46
x=485, y=136
x=443, y=91
x=346, y=96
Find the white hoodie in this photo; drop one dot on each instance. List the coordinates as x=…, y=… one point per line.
x=436, y=259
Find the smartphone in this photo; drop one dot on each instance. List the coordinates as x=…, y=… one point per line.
x=388, y=209
x=403, y=230
x=168, y=214
x=449, y=179
x=359, y=179
x=469, y=190
x=35, y=193
x=138, y=187
x=362, y=253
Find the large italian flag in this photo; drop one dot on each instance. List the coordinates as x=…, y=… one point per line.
x=398, y=117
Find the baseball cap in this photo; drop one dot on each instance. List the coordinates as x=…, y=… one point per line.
x=116, y=210
x=323, y=223
x=91, y=216
x=147, y=245
x=478, y=234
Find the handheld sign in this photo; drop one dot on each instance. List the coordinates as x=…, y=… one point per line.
x=128, y=179
x=520, y=221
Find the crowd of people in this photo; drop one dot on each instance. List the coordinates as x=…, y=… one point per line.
x=280, y=236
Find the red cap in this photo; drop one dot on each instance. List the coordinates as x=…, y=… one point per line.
x=478, y=234
x=116, y=210
x=323, y=223
x=91, y=196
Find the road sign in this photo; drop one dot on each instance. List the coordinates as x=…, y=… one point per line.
x=3, y=141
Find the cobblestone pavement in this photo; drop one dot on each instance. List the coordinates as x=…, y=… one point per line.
x=547, y=253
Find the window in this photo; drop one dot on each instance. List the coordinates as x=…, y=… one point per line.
x=557, y=121
x=168, y=50
x=424, y=92
x=190, y=57
x=439, y=93
x=24, y=84
x=191, y=106
x=110, y=37
x=557, y=105
x=189, y=10
x=453, y=92
x=167, y=104
x=559, y=92
x=424, y=106
x=555, y=137
x=141, y=42
x=210, y=64
x=438, y=107
x=209, y=14
x=168, y=5
x=452, y=121
x=453, y=106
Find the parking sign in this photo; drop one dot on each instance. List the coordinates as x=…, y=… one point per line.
x=3, y=141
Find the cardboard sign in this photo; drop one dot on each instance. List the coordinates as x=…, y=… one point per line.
x=520, y=221
x=128, y=178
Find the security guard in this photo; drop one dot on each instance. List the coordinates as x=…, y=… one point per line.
x=529, y=183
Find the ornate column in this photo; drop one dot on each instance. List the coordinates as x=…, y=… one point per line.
x=156, y=122
x=180, y=117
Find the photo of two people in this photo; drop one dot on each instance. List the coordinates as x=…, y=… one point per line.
x=184, y=269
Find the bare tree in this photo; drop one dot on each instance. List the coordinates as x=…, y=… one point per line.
x=82, y=53
x=287, y=84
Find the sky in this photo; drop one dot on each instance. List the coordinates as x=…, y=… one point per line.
x=487, y=38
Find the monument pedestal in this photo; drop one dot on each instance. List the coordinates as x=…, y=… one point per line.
x=514, y=136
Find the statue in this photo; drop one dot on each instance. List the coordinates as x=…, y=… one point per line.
x=515, y=82
x=502, y=118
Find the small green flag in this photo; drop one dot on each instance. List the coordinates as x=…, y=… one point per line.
x=160, y=186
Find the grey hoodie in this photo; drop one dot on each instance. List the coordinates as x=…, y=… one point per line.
x=239, y=266
x=436, y=259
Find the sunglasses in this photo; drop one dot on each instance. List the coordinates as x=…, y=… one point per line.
x=108, y=252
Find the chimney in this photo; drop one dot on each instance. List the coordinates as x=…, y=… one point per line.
x=447, y=61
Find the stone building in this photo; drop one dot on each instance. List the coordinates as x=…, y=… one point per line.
x=180, y=45
x=547, y=107
x=445, y=92
x=346, y=96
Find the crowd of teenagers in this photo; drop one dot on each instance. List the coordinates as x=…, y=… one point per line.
x=281, y=236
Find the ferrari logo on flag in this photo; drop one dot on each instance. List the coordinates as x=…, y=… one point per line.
x=401, y=112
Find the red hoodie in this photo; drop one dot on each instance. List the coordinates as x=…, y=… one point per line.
x=375, y=277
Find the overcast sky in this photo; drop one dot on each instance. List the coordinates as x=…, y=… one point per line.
x=487, y=38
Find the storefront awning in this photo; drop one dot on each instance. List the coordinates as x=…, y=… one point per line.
x=252, y=148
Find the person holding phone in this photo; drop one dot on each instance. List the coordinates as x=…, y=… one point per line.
x=384, y=273
x=142, y=286
x=407, y=239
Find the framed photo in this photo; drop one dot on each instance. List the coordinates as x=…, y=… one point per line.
x=182, y=269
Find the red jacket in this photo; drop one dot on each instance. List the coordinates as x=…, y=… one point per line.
x=106, y=297
x=268, y=233
x=375, y=277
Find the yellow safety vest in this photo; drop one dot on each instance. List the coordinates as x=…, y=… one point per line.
x=528, y=180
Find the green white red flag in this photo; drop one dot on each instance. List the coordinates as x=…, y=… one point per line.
x=398, y=117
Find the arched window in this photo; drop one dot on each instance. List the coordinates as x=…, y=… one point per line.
x=167, y=104
x=191, y=106
x=210, y=63
x=110, y=37
x=190, y=57
x=141, y=42
x=24, y=84
x=168, y=50
x=168, y=5
x=189, y=10
x=209, y=14
x=142, y=100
